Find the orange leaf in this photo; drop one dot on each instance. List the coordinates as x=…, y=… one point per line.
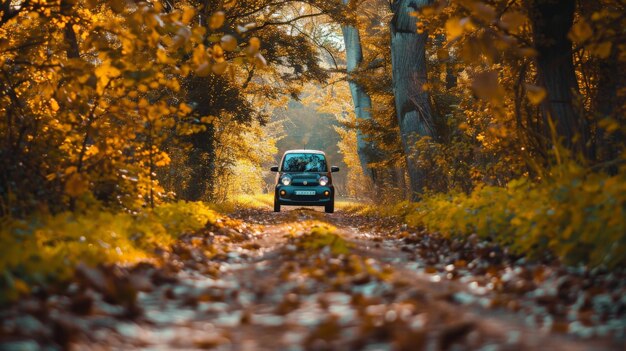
x=535, y=94
x=513, y=21
x=217, y=20
x=454, y=28
x=75, y=185
x=580, y=31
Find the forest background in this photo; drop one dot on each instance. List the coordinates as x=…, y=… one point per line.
x=500, y=118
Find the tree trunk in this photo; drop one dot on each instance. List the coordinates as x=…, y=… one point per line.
x=200, y=185
x=408, y=59
x=367, y=151
x=611, y=80
x=552, y=21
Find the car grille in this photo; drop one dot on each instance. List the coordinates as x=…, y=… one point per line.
x=300, y=182
x=304, y=198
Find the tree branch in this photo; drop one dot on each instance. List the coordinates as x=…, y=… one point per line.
x=290, y=21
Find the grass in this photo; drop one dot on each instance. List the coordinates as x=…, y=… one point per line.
x=575, y=215
x=267, y=201
x=254, y=201
x=45, y=249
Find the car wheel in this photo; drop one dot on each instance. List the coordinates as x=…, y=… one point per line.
x=276, y=205
x=330, y=208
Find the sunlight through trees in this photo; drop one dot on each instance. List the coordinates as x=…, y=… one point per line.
x=492, y=133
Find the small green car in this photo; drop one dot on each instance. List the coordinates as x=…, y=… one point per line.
x=304, y=179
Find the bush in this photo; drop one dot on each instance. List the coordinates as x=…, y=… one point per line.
x=578, y=216
x=47, y=248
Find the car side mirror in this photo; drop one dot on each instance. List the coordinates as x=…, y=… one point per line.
x=334, y=169
x=274, y=169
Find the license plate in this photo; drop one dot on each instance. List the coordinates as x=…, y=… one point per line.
x=305, y=192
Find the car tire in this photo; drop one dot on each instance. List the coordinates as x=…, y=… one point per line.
x=276, y=205
x=330, y=208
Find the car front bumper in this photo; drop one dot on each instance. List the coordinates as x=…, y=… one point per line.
x=290, y=197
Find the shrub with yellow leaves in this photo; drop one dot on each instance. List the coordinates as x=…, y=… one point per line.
x=91, y=91
x=47, y=248
x=578, y=216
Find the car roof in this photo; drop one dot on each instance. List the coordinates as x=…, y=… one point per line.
x=304, y=151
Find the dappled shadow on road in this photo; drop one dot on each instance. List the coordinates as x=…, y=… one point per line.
x=303, y=279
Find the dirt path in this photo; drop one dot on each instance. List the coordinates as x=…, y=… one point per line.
x=263, y=282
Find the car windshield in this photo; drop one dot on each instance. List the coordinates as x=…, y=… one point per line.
x=304, y=163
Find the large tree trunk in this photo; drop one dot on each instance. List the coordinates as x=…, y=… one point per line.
x=408, y=59
x=367, y=151
x=552, y=21
x=611, y=80
x=201, y=184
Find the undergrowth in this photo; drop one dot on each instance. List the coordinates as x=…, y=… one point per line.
x=254, y=201
x=44, y=249
x=323, y=237
x=267, y=200
x=578, y=216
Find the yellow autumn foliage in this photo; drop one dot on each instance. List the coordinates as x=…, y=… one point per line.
x=578, y=216
x=92, y=93
x=323, y=237
x=47, y=248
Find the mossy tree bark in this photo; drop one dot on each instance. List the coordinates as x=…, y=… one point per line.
x=413, y=110
x=367, y=150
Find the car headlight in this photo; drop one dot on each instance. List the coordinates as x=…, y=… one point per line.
x=323, y=180
x=286, y=180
